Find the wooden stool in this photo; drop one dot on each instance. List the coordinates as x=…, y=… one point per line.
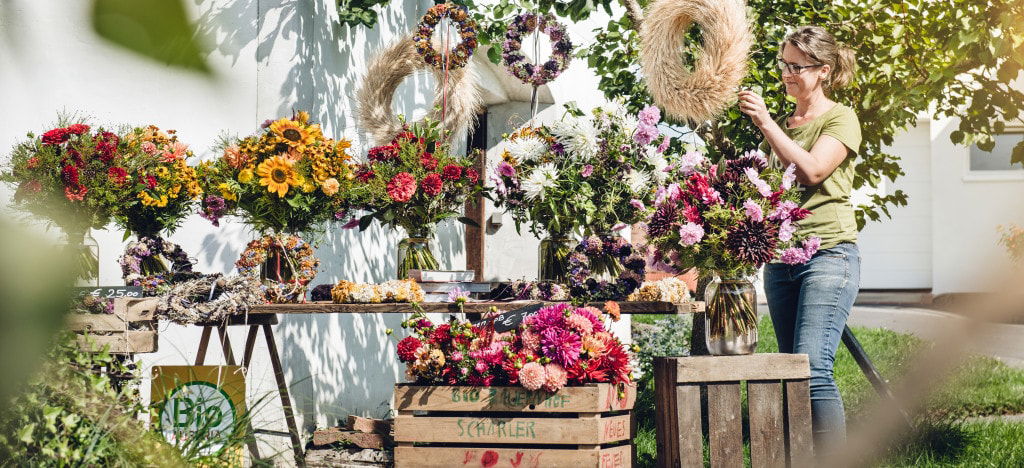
x=779, y=409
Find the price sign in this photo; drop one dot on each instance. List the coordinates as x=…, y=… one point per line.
x=110, y=292
x=510, y=320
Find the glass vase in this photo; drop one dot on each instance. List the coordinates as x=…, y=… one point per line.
x=606, y=266
x=85, y=250
x=414, y=253
x=553, y=259
x=730, y=316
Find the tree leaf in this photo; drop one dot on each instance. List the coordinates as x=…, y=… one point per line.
x=156, y=29
x=468, y=221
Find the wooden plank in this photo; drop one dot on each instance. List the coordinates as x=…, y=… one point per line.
x=524, y=430
x=446, y=457
x=138, y=309
x=626, y=307
x=371, y=426
x=665, y=404
x=135, y=341
x=767, y=431
x=798, y=422
x=243, y=319
x=725, y=424
x=97, y=323
x=689, y=443
x=335, y=435
x=204, y=343
x=587, y=398
x=767, y=366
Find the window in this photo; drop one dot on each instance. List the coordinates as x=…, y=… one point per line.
x=999, y=158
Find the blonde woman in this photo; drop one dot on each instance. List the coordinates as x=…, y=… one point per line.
x=810, y=303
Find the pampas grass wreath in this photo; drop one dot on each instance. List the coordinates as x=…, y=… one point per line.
x=387, y=71
x=706, y=91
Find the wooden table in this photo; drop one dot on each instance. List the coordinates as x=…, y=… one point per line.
x=263, y=316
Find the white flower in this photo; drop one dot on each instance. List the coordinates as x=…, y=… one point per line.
x=577, y=135
x=362, y=293
x=527, y=148
x=541, y=178
x=637, y=181
x=657, y=160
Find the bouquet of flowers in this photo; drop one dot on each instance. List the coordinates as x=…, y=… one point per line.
x=414, y=182
x=559, y=345
x=288, y=179
x=69, y=175
x=729, y=219
x=596, y=172
x=162, y=188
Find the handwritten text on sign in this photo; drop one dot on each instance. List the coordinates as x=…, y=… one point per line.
x=510, y=398
x=492, y=428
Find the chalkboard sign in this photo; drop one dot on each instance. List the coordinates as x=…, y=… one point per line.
x=110, y=292
x=510, y=320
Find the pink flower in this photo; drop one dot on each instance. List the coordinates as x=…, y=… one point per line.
x=650, y=115
x=753, y=210
x=690, y=233
x=351, y=224
x=402, y=187
x=579, y=323
x=637, y=204
x=531, y=340
x=797, y=255
x=645, y=134
x=786, y=230
x=689, y=161
x=556, y=377
x=532, y=376
x=456, y=356
x=762, y=186
x=789, y=177
x=561, y=346
x=457, y=295
x=619, y=226
x=587, y=170
x=506, y=170
x=664, y=144
x=480, y=367
x=149, y=148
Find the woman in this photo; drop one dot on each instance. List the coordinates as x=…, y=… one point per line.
x=809, y=303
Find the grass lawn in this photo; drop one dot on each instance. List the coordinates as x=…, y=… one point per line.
x=983, y=386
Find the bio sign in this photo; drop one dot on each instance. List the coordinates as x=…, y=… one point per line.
x=199, y=406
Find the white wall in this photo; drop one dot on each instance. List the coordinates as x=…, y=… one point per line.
x=269, y=57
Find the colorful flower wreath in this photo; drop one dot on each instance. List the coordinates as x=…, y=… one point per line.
x=459, y=56
x=140, y=251
x=516, y=62
x=581, y=285
x=300, y=263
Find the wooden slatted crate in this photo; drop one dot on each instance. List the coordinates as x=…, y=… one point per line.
x=586, y=426
x=778, y=400
x=132, y=328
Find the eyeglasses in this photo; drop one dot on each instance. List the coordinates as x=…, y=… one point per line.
x=795, y=69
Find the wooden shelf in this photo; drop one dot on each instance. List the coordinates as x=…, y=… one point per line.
x=636, y=308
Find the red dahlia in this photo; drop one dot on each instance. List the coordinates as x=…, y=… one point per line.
x=432, y=185
x=428, y=161
x=402, y=187
x=441, y=335
x=365, y=174
x=117, y=175
x=56, y=136
x=69, y=175
x=472, y=175
x=383, y=153
x=78, y=129
x=452, y=172
x=407, y=348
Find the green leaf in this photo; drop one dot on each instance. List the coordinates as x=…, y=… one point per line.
x=468, y=221
x=1017, y=156
x=365, y=221
x=156, y=29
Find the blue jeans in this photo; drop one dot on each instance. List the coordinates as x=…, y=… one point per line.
x=809, y=305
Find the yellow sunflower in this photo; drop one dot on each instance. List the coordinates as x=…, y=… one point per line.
x=292, y=133
x=277, y=174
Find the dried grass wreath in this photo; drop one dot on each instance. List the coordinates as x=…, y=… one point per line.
x=706, y=91
x=387, y=71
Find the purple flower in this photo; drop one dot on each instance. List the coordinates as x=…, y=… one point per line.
x=619, y=226
x=548, y=317
x=650, y=115
x=637, y=204
x=214, y=208
x=784, y=211
x=786, y=230
x=664, y=144
x=762, y=186
x=506, y=170
x=689, y=161
x=788, y=177
x=458, y=296
x=645, y=134
x=587, y=170
x=690, y=233
x=266, y=123
x=351, y=224
x=798, y=255
x=753, y=210
x=561, y=346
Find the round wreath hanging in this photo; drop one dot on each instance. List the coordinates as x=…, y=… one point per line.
x=300, y=261
x=516, y=62
x=209, y=299
x=145, y=249
x=592, y=247
x=386, y=72
x=459, y=56
x=706, y=91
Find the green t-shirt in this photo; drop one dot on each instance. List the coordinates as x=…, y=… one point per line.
x=831, y=216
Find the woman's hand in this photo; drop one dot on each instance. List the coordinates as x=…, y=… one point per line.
x=753, y=105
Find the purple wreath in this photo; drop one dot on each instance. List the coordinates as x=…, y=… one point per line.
x=516, y=62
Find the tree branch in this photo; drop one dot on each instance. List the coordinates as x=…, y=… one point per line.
x=634, y=11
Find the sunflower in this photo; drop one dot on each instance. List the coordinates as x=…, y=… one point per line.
x=277, y=174
x=292, y=133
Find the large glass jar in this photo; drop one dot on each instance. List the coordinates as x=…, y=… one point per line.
x=730, y=306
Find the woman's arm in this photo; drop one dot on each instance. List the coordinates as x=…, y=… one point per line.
x=812, y=167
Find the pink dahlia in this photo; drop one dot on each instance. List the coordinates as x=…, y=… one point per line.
x=690, y=233
x=532, y=376
x=561, y=346
x=556, y=377
x=402, y=187
x=548, y=317
x=753, y=210
x=579, y=323
x=531, y=340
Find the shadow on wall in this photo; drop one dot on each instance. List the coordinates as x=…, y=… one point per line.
x=335, y=365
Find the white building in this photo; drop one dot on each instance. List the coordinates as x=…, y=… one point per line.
x=272, y=57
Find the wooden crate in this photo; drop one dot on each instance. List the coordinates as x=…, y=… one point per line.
x=440, y=426
x=691, y=389
x=132, y=328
